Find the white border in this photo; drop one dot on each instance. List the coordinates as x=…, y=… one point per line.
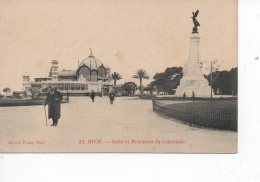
x=243, y=166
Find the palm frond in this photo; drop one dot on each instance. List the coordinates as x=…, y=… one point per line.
x=116, y=76
x=141, y=74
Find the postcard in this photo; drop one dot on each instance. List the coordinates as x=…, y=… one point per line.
x=123, y=76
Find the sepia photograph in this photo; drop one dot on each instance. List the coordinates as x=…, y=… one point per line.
x=119, y=76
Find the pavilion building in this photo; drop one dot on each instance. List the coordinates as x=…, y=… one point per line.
x=91, y=75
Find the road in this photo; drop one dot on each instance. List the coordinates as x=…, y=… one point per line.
x=129, y=125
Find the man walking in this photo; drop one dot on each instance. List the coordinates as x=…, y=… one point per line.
x=111, y=97
x=193, y=96
x=93, y=95
x=184, y=96
x=53, y=100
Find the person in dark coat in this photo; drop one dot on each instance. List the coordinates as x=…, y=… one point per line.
x=111, y=97
x=184, y=96
x=53, y=100
x=93, y=95
x=193, y=95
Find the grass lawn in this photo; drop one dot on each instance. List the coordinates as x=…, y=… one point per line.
x=207, y=104
x=216, y=114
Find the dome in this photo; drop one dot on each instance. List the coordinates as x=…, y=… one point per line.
x=91, y=62
x=91, y=69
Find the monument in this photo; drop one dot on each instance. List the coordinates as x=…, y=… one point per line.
x=193, y=80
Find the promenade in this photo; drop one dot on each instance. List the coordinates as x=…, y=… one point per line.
x=129, y=125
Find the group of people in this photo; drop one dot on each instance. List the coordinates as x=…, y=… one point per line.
x=193, y=96
x=54, y=98
x=111, y=96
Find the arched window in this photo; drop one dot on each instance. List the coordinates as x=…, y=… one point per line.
x=85, y=72
x=101, y=72
x=94, y=76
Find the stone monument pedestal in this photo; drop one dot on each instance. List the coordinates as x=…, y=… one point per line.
x=193, y=79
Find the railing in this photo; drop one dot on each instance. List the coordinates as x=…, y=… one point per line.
x=167, y=97
x=221, y=118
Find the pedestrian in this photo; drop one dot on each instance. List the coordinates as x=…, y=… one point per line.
x=111, y=97
x=93, y=95
x=193, y=95
x=184, y=96
x=53, y=99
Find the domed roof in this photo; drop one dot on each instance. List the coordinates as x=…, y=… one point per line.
x=91, y=61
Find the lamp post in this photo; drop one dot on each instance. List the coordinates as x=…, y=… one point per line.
x=211, y=81
x=213, y=67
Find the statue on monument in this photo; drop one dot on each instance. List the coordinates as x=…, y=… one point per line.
x=193, y=81
x=195, y=21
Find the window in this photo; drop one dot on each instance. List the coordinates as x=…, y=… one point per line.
x=82, y=86
x=94, y=76
x=67, y=86
x=61, y=86
x=78, y=87
x=72, y=86
x=101, y=72
x=85, y=72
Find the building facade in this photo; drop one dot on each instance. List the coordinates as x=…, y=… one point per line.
x=91, y=75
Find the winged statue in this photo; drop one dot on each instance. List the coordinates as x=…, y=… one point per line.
x=195, y=21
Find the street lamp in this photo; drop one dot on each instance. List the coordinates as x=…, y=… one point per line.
x=212, y=68
x=211, y=81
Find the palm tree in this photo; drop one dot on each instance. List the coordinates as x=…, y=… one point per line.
x=141, y=74
x=6, y=90
x=116, y=76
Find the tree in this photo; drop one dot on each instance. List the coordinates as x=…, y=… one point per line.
x=116, y=76
x=168, y=80
x=141, y=74
x=149, y=88
x=224, y=81
x=233, y=79
x=129, y=88
x=7, y=90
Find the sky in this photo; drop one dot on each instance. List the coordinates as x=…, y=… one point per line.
x=124, y=35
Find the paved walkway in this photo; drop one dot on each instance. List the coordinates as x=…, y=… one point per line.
x=130, y=125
